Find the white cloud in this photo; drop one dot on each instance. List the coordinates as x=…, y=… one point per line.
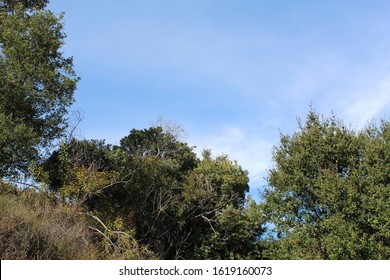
x=369, y=103
x=250, y=149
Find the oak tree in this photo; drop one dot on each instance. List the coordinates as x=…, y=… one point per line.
x=329, y=192
x=37, y=82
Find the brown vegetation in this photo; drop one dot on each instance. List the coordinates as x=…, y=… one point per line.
x=33, y=227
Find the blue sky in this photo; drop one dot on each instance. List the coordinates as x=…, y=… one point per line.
x=233, y=74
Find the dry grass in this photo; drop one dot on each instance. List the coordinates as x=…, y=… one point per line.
x=32, y=227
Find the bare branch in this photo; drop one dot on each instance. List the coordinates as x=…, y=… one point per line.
x=99, y=231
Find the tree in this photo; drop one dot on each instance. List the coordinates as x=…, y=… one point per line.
x=156, y=142
x=30, y=5
x=219, y=220
x=153, y=167
x=235, y=234
x=329, y=192
x=137, y=182
x=36, y=83
x=159, y=193
x=78, y=169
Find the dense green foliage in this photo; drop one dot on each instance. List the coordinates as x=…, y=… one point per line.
x=329, y=194
x=160, y=193
x=29, y=5
x=151, y=196
x=36, y=83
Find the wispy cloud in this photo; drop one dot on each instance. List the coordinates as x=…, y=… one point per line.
x=370, y=103
x=250, y=149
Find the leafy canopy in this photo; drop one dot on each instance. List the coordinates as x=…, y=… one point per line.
x=329, y=194
x=160, y=193
x=36, y=83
